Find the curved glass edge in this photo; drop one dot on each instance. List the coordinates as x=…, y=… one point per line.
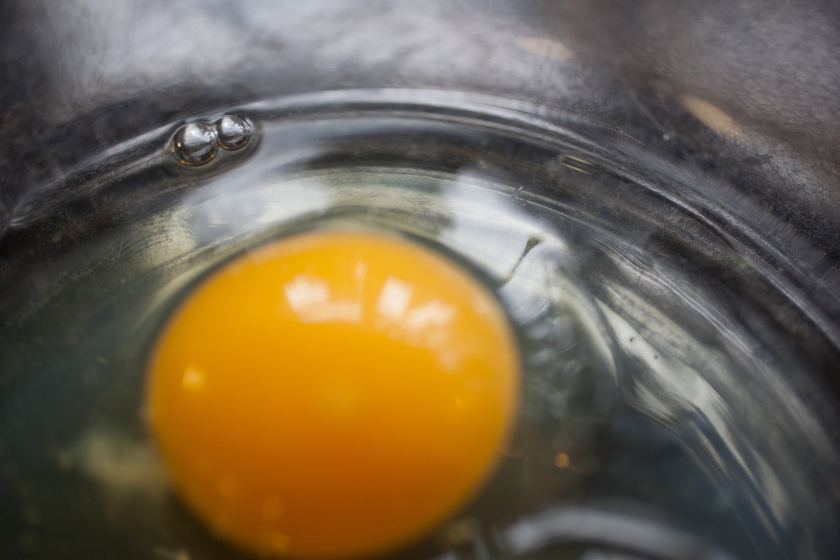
x=733, y=226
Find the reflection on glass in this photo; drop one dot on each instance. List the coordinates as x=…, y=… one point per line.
x=648, y=380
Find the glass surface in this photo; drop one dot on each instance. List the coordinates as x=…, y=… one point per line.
x=648, y=188
x=668, y=406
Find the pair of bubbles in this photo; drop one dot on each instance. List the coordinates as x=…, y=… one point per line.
x=196, y=143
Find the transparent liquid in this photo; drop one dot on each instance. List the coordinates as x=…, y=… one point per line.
x=671, y=374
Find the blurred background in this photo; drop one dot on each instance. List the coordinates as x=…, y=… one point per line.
x=745, y=88
x=728, y=110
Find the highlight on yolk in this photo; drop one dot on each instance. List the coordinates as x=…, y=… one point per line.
x=333, y=394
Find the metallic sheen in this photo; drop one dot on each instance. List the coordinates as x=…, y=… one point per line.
x=234, y=132
x=195, y=143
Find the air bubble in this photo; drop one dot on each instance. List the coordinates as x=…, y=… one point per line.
x=195, y=143
x=234, y=132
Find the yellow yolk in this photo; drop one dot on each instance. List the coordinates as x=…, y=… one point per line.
x=333, y=395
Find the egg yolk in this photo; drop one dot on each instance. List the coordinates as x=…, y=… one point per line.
x=333, y=394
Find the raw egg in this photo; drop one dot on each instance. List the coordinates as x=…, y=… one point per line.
x=333, y=394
